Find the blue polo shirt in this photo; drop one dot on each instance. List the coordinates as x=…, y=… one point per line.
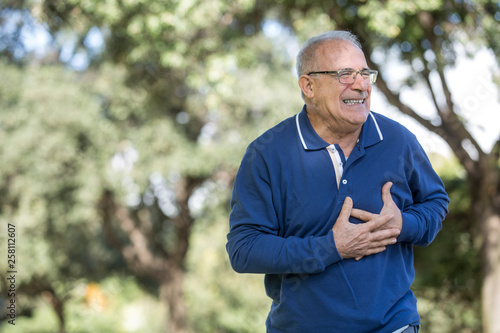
x=285, y=202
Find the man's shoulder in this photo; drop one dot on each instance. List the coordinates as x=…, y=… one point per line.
x=391, y=127
x=276, y=136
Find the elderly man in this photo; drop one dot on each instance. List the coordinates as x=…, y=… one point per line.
x=329, y=203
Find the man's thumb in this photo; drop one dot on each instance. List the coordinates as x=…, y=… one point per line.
x=386, y=193
x=345, y=212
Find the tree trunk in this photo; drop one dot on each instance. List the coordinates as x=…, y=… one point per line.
x=171, y=295
x=58, y=306
x=490, y=221
x=147, y=257
x=491, y=279
x=484, y=189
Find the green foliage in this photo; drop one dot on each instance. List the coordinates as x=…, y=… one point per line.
x=458, y=239
x=448, y=272
x=53, y=157
x=119, y=306
x=391, y=19
x=73, y=128
x=446, y=312
x=219, y=299
x=182, y=88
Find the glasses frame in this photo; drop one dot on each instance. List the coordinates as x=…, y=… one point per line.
x=371, y=72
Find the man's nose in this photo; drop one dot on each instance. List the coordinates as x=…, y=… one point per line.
x=359, y=83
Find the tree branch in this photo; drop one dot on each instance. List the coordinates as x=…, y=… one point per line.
x=184, y=221
x=137, y=253
x=426, y=75
x=394, y=99
x=495, y=151
x=446, y=89
x=107, y=208
x=451, y=123
x=146, y=218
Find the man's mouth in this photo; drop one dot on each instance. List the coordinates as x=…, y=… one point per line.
x=354, y=101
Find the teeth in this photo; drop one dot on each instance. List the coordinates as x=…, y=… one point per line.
x=353, y=101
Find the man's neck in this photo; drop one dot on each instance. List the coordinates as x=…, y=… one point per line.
x=347, y=140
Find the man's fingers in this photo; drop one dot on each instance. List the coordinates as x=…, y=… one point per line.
x=385, y=237
x=360, y=240
x=363, y=215
x=378, y=221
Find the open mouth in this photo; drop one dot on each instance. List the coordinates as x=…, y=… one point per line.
x=354, y=101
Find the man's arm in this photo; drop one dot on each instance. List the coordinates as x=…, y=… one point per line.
x=254, y=242
x=422, y=219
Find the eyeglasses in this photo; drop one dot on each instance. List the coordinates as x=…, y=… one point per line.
x=348, y=76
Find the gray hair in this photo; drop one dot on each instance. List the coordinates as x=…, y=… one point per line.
x=306, y=55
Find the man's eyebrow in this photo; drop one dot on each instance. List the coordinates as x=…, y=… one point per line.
x=352, y=69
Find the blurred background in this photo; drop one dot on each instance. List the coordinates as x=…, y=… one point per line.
x=123, y=123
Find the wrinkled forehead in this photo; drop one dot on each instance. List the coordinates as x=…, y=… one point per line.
x=339, y=54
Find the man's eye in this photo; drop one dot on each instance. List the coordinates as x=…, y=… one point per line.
x=346, y=74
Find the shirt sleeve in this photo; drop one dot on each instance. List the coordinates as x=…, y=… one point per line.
x=254, y=243
x=422, y=219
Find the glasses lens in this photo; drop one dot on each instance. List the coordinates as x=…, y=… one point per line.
x=347, y=76
x=372, y=76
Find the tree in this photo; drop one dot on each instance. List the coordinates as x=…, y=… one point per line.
x=426, y=34
x=176, y=134
x=53, y=163
x=448, y=273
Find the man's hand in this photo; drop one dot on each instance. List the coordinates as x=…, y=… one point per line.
x=359, y=240
x=389, y=208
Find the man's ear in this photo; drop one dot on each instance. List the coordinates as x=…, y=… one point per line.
x=306, y=85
